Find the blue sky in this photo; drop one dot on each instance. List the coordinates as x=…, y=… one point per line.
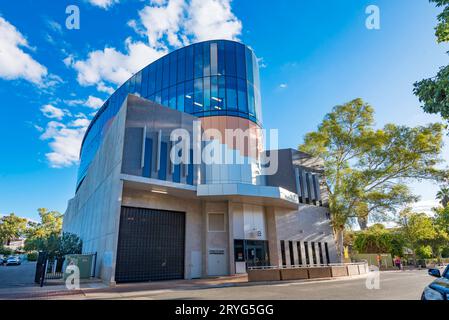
x=315, y=55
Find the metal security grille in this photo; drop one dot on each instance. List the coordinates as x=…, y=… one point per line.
x=150, y=245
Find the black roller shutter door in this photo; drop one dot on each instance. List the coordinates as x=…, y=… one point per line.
x=150, y=246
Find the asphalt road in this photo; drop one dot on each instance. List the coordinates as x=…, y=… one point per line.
x=17, y=276
x=394, y=285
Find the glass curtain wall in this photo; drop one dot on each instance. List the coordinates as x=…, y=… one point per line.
x=213, y=78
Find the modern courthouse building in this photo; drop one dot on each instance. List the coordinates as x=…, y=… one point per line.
x=174, y=181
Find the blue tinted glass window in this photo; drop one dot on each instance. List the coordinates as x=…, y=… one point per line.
x=148, y=158
x=132, y=85
x=213, y=58
x=198, y=103
x=241, y=59
x=188, y=102
x=144, y=88
x=214, y=97
x=165, y=97
x=222, y=92
x=190, y=169
x=189, y=63
x=251, y=101
x=158, y=76
x=180, y=97
x=206, y=51
x=198, y=60
x=230, y=59
x=231, y=93
x=165, y=72
x=181, y=66
x=162, y=174
x=249, y=66
x=151, y=80
x=173, y=67
x=177, y=173
x=158, y=97
x=138, y=87
x=242, y=95
x=172, y=97
x=258, y=104
x=206, y=93
x=221, y=58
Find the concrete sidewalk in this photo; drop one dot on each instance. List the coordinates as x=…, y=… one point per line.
x=97, y=290
x=95, y=287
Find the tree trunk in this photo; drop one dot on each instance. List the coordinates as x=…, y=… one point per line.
x=363, y=222
x=339, y=245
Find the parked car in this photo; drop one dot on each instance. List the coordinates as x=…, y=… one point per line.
x=439, y=289
x=13, y=261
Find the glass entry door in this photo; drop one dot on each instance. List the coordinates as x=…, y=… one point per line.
x=253, y=252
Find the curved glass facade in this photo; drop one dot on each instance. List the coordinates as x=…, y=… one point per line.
x=212, y=78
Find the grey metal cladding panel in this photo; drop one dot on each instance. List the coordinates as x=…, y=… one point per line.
x=310, y=186
x=316, y=184
x=132, y=151
x=304, y=184
x=285, y=176
x=156, y=119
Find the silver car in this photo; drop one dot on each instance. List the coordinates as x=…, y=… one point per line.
x=13, y=261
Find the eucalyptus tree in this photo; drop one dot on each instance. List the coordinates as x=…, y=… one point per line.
x=433, y=93
x=366, y=168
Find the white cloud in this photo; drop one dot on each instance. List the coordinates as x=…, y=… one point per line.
x=52, y=112
x=163, y=21
x=14, y=62
x=113, y=66
x=94, y=102
x=167, y=24
x=80, y=123
x=68, y=61
x=283, y=85
x=53, y=25
x=178, y=22
x=65, y=142
x=104, y=88
x=212, y=19
x=104, y=4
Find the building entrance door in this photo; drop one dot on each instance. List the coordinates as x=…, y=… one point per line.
x=256, y=253
x=151, y=245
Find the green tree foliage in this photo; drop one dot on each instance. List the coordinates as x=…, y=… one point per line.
x=365, y=168
x=422, y=232
x=11, y=227
x=443, y=196
x=442, y=29
x=378, y=239
x=434, y=93
x=44, y=235
x=424, y=252
x=70, y=243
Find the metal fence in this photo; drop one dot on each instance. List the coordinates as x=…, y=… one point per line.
x=53, y=269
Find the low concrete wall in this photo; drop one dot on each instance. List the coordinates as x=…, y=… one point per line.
x=264, y=275
x=320, y=272
x=339, y=271
x=294, y=274
x=334, y=271
x=362, y=269
x=353, y=270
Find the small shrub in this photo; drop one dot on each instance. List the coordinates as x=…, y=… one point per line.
x=32, y=256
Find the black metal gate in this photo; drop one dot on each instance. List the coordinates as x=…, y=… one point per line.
x=151, y=245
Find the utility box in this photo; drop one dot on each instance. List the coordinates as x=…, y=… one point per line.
x=83, y=261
